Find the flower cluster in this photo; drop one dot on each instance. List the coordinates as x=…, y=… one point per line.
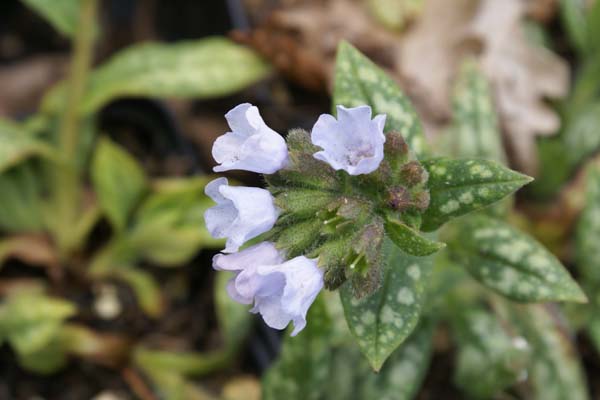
x=306, y=243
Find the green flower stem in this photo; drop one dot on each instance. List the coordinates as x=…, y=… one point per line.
x=66, y=193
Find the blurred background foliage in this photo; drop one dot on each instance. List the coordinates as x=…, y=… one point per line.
x=108, y=110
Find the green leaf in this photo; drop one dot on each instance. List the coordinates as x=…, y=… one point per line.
x=147, y=291
x=119, y=181
x=235, y=319
x=186, y=363
x=458, y=187
x=593, y=329
x=383, y=320
x=560, y=155
x=303, y=367
x=316, y=366
x=588, y=231
x=409, y=240
x=164, y=243
x=556, y=373
x=475, y=131
x=402, y=375
x=31, y=320
x=358, y=81
x=46, y=360
x=573, y=16
x=21, y=200
x=491, y=355
x=593, y=31
x=587, y=250
x=62, y=14
x=511, y=262
x=199, y=69
x=169, y=226
x=17, y=145
x=395, y=14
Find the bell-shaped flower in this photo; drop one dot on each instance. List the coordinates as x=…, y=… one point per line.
x=353, y=142
x=251, y=145
x=282, y=292
x=244, y=263
x=241, y=213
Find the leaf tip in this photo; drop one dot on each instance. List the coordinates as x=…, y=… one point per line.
x=376, y=364
x=578, y=296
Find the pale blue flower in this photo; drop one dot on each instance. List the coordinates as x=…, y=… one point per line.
x=353, y=142
x=282, y=291
x=241, y=213
x=251, y=145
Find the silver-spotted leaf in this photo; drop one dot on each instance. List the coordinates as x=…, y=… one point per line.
x=196, y=69
x=358, y=81
x=409, y=240
x=588, y=249
x=511, y=262
x=588, y=231
x=383, y=320
x=458, y=187
x=475, y=131
x=555, y=372
x=404, y=371
x=491, y=354
x=119, y=181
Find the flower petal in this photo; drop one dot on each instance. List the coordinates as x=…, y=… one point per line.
x=256, y=210
x=353, y=142
x=244, y=286
x=251, y=145
x=303, y=282
x=241, y=213
x=212, y=190
x=282, y=292
x=264, y=253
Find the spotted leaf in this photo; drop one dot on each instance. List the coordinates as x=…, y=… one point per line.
x=555, y=372
x=204, y=68
x=475, y=131
x=588, y=231
x=491, y=354
x=358, y=81
x=588, y=248
x=511, y=262
x=458, y=187
x=409, y=240
x=383, y=320
x=402, y=375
